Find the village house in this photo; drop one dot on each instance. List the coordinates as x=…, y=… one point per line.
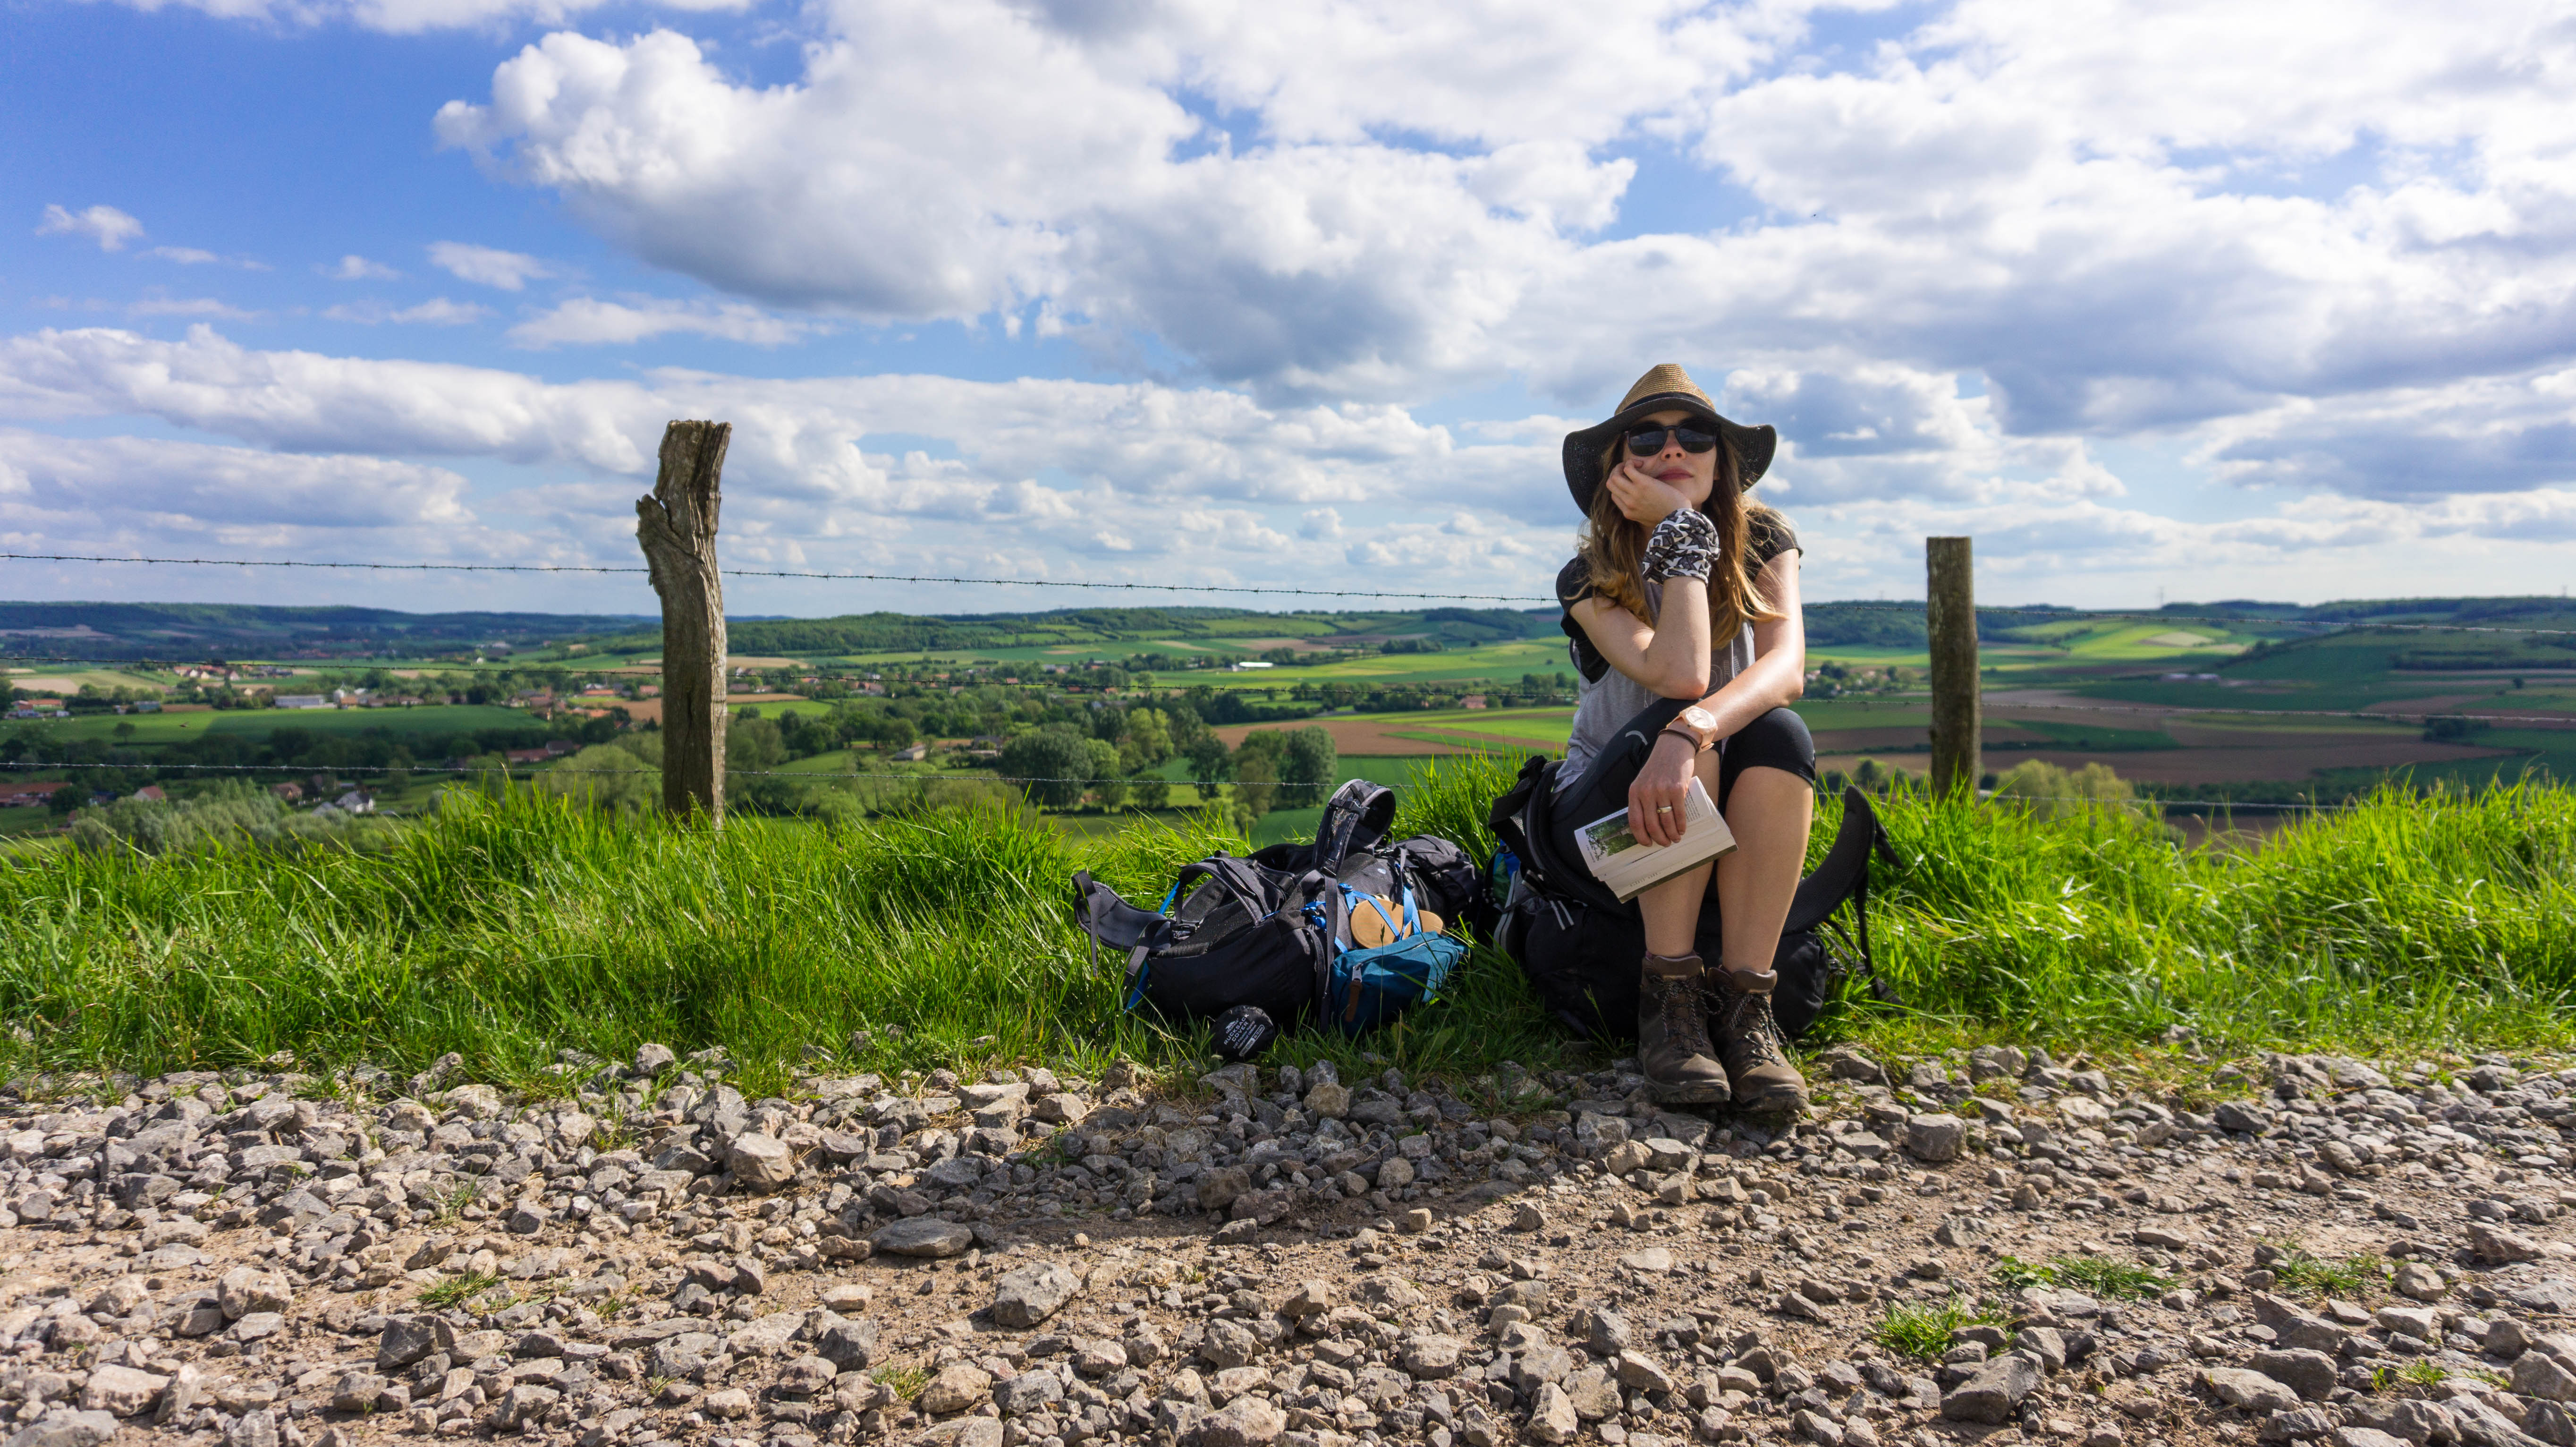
x=29, y=794
x=302, y=700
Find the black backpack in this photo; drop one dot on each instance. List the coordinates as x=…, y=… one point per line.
x=1579, y=946
x=1273, y=931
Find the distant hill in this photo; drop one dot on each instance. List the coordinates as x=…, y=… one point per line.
x=964, y=632
x=193, y=631
x=198, y=630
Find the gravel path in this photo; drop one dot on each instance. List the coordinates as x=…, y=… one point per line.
x=1998, y=1248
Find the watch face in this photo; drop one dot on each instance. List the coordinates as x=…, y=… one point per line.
x=1699, y=718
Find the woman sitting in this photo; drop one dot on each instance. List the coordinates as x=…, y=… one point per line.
x=1682, y=604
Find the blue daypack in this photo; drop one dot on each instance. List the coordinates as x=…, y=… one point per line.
x=1273, y=930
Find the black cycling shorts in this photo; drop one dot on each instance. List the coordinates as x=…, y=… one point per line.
x=1777, y=740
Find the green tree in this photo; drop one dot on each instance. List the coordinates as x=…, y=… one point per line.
x=1306, y=768
x=605, y=776
x=1149, y=733
x=754, y=744
x=1186, y=726
x=1108, y=783
x=1055, y=761
x=1153, y=791
x=1256, y=776
x=1209, y=763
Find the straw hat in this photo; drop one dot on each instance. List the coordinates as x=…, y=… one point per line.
x=1665, y=388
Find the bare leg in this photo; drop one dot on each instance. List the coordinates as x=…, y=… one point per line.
x=1770, y=811
x=1671, y=909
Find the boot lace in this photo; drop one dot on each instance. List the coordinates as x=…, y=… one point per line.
x=1749, y=1019
x=1687, y=1010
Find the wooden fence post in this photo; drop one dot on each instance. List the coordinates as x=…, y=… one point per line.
x=1950, y=616
x=677, y=527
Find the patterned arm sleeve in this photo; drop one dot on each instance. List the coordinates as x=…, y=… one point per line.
x=1684, y=545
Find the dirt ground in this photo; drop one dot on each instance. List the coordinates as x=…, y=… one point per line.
x=1987, y=1248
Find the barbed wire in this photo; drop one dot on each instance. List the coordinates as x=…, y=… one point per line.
x=533, y=769
x=2247, y=621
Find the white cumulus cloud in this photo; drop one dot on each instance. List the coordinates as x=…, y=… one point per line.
x=358, y=268
x=106, y=225
x=130, y=481
x=2125, y=217
x=411, y=17
x=589, y=322
x=488, y=266
x=438, y=311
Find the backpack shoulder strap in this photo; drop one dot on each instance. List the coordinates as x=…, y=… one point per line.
x=1111, y=920
x=1844, y=876
x=1356, y=817
x=1844, y=871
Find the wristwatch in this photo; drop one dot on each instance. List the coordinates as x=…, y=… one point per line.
x=1696, y=724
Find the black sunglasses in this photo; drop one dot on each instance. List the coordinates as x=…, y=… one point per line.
x=1648, y=440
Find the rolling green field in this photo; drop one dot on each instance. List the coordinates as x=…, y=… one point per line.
x=1540, y=727
x=25, y=821
x=171, y=728
x=2260, y=666
x=2129, y=642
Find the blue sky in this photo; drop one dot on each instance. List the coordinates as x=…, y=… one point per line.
x=2177, y=296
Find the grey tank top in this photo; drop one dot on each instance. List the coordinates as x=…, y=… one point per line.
x=1607, y=698
x=1601, y=705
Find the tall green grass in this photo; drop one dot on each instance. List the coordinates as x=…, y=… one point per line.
x=510, y=929
x=2400, y=920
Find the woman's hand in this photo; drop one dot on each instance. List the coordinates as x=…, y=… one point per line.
x=1660, y=786
x=1642, y=497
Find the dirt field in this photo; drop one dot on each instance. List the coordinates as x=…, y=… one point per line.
x=1375, y=734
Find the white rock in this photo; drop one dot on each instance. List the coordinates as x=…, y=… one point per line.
x=122, y=1391
x=761, y=1162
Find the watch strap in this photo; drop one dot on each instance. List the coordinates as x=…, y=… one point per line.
x=1701, y=739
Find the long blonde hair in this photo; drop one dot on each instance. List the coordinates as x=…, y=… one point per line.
x=1614, y=546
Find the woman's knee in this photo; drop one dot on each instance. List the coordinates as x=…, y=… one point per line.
x=1776, y=740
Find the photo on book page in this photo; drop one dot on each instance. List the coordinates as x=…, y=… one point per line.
x=1630, y=868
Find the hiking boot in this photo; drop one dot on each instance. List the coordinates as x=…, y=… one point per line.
x=1748, y=1040
x=1681, y=1067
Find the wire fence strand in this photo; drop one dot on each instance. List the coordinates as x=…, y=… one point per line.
x=1899, y=605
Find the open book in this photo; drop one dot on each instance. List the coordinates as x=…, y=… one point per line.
x=1630, y=868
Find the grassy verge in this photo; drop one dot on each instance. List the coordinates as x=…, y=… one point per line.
x=511, y=929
